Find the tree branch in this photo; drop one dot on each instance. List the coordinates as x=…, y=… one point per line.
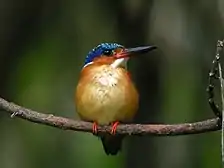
x=125, y=129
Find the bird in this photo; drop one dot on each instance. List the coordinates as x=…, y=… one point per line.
x=105, y=93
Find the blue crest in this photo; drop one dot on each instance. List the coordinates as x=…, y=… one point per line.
x=97, y=51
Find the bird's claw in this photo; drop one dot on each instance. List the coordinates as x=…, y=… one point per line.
x=114, y=128
x=95, y=128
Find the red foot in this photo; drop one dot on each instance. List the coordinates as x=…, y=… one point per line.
x=95, y=128
x=114, y=128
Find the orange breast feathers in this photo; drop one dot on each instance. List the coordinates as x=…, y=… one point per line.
x=105, y=94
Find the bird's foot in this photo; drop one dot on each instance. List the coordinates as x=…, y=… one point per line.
x=95, y=128
x=114, y=128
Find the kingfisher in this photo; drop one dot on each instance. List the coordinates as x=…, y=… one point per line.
x=105, y=93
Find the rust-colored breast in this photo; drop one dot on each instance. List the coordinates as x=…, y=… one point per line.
x=105, y=94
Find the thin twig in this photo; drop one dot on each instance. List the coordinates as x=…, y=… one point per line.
x=220, y=45
x=125, y=129
x=222, y=101
x=212, y=76
x=216, y=73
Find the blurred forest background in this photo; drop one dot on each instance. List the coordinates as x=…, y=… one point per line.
x=43, y=44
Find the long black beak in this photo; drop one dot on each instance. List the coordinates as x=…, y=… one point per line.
x=134, y=51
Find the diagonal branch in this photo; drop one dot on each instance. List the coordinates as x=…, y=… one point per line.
x=125, y=129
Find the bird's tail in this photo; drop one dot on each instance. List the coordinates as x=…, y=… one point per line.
x=112, y=143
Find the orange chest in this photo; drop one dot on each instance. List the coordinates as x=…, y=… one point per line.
x=106, y=94
x=105, y=76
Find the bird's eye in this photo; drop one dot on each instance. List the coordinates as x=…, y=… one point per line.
x=107, y=52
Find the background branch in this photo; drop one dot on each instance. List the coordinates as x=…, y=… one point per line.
x=126, y=129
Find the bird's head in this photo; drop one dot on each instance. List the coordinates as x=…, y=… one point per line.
x=113, y=54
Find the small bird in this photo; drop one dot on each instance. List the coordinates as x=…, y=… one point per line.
x=105, y=93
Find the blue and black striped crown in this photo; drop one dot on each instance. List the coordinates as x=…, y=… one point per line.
x=97, y=51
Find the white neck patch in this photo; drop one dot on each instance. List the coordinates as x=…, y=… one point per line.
x=87, y=65
x=115, y=64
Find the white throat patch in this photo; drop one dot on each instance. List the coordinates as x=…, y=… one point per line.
x=119, y=62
